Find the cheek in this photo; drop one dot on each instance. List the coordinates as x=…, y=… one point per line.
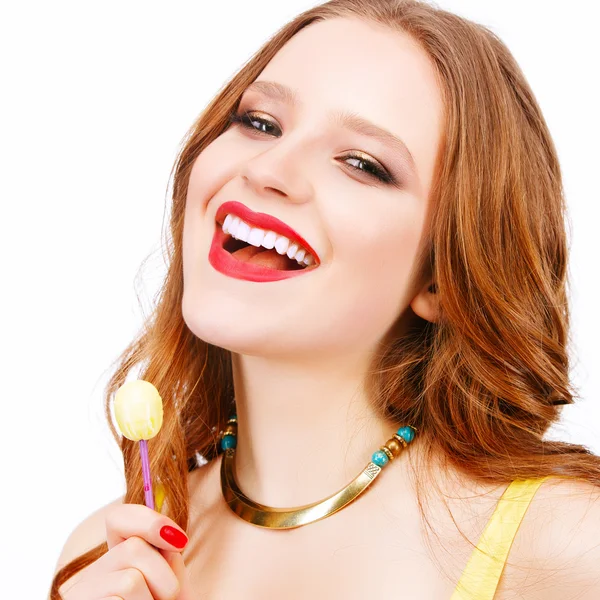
x=382, y=244
x=213, y=168
x=372, y=265
x=208, y=174
x=202, y=185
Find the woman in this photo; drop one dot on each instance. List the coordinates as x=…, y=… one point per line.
x=367, y=239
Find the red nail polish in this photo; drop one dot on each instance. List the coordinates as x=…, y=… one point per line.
x=173, y=536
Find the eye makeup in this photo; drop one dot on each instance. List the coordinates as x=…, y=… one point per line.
x=372, y=169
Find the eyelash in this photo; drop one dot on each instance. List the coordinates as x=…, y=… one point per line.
x=244, y=117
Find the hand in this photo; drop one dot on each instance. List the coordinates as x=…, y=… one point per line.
x=139, y=564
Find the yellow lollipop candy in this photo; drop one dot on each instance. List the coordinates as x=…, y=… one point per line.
x=139, y=413
x=138, y=410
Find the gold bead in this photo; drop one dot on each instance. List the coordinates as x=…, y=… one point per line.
x=230, y=430
x=388, y=453
x=394, y=446
x=401, y=440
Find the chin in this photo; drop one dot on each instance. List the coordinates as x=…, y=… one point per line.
x=210, y=321
x=252, y=338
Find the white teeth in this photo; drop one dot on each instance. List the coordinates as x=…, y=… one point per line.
x=269, y=241
x=240, y=230
x=243, y=231
x=227, y=223
x=256, y=237
x=291, y=251
x=233, y=227
x=281, y=244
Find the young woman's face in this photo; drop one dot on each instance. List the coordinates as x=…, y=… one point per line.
x=304, y=165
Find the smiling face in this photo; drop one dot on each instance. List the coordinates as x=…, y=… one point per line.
x=308, y=167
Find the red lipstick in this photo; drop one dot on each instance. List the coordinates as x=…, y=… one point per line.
x=226, y=263
x=263, y=221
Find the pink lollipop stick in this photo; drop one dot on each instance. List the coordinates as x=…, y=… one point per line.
x=148, y=496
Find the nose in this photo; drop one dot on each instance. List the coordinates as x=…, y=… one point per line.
x=275, y=172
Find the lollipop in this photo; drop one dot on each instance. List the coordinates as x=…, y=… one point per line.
x=139, y=414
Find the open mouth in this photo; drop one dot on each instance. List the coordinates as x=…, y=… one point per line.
x=258, y=247
x=258, y=255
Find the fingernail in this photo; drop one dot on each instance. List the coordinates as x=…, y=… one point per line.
x=173, y=536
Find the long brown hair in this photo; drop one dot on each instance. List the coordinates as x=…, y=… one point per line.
x=482, y=384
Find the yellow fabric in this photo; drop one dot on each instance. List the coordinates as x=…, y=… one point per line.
x=480, y=578
x=159, y=496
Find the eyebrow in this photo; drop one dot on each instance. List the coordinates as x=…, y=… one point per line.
x=345, y=119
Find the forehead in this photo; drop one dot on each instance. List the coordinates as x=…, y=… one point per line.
x=381, y=75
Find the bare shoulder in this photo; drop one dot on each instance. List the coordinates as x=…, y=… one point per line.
x=86, y=535
x=556, y=552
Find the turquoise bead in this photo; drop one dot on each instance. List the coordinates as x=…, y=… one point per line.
x=408, y=433
x=228, y=441
x=380, y=458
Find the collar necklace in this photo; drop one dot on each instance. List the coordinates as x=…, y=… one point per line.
x=289, y=518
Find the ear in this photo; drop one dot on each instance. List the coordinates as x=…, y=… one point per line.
x=425, y=303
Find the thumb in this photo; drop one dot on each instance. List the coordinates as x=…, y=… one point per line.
x=177, y=564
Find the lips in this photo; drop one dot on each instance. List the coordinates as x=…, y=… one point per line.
x=227, y=264
x=263, y=221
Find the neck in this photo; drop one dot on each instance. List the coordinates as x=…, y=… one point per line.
x=305, y=432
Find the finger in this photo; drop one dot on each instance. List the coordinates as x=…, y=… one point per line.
x=177, y=564
x=128, y=584
x=126, y=520
x=137, y=554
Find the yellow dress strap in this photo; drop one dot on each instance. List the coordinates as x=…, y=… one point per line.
x=480, y=578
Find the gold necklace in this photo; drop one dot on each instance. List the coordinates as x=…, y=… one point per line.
x=289, y=518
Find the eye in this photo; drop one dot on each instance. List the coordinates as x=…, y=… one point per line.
x=247, y=119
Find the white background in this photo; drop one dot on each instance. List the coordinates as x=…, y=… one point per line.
x=96, y=98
